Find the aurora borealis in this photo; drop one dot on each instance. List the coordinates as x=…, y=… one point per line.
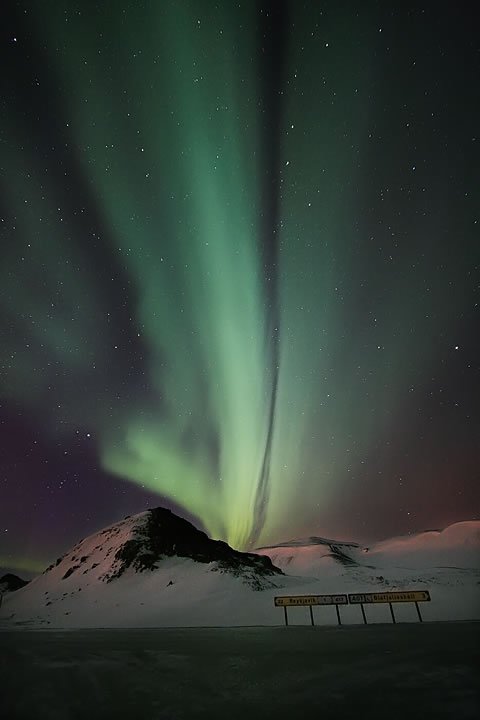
x=239, y=277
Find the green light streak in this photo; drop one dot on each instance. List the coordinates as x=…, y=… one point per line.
x=23, y=564
x=188, y=239
x=162, y=124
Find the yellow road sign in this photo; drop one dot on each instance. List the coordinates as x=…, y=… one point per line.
x=288, y=600
x=390, y=597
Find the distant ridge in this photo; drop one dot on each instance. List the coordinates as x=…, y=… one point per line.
x=340, y=551
x=312, y=540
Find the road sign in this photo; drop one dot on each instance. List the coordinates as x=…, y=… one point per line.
x=389, y=597
x=302, y=600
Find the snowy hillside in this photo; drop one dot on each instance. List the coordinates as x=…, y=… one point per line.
x=155, y=569
x=313, y=555
x=455, y=547
x=447, y=562
x=140, y=542
x=145, y=562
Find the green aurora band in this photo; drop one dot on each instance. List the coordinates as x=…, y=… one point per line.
x=258, y=408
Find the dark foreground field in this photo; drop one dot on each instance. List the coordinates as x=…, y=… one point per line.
x=381, y=671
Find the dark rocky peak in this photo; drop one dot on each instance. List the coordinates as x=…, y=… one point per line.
x=11, y=582
x=164, y=534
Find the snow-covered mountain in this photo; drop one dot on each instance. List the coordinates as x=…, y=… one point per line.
x=136, y=565
x=141, y=542
x=455, y=547
x=313, y=554
x=156, y=569
x=446, y=562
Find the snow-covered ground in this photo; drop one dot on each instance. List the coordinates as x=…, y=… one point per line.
x=181, y=592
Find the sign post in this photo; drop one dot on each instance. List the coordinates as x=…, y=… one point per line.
x=392, y=613
x=363, y=614
x=338, y=614
x=413, y=596
x=309, y=601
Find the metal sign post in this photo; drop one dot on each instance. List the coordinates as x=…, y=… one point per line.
x=392, y=613
x=309, y=601
x=413, y=596
x=363, y=614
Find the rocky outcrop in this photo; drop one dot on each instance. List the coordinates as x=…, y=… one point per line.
x=11, y=582
x=164, y=534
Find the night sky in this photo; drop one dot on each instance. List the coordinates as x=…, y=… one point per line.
x=240, y=250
